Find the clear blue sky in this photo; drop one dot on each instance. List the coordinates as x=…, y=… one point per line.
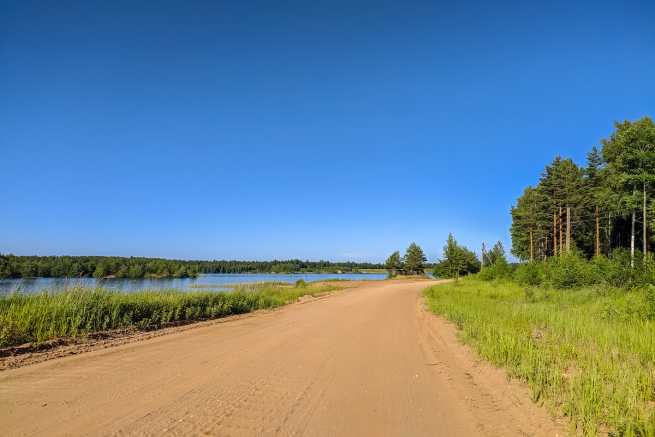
x=334, y=130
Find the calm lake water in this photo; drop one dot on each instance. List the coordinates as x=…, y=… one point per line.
x=206, y=282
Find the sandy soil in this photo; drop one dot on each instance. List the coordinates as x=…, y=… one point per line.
x=369, y=361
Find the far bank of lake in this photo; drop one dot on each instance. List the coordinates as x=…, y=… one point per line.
x=207, y=282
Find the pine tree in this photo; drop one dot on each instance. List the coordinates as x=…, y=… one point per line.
x=531, y=225
x=630, y=156
x=607, y=203
x=393, y=263
x=561, y=186
x=414, y=260
x=452, y=258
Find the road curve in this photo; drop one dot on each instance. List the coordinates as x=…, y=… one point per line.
x=368, y=361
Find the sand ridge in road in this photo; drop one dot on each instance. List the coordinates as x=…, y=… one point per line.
x=369, y=361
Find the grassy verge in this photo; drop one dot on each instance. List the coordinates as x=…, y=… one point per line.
x=588, y=353
x=78, y=311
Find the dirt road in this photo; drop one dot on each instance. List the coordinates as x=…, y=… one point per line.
x=366, y=362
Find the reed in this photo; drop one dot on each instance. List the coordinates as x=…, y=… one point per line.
x=78, y=311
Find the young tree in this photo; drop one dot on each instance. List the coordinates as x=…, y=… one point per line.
x=414, y=259
x=496, y=262
x=471, y=262
x=495, y=255
x=100, y=271
x=393, y=263
x=457, y=260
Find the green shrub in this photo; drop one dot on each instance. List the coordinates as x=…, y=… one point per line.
x=568, y=271
x=498, y=270
x=647, y=271
x=300, y=283
x=531, y=273
x=649, y=294
x=619, y=272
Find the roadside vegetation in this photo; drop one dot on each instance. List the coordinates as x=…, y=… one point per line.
x=576, y=319
x=37, y=318
x=588, y=353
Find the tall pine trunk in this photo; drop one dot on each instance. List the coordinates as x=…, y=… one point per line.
x=597, y=246
x=568, y=229
x=632, y=240
x=554, y=233
x=644, y=237
x=609, y=234
x=561, y=238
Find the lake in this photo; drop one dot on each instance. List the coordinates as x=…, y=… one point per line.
x=202, y=282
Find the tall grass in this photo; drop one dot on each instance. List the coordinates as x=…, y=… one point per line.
x=77, y=311
x=588, y=353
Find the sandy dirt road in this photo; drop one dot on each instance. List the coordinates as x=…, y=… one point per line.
x=369, y=361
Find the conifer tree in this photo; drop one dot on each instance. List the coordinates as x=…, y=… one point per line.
x=393, y=263
x=414, y=259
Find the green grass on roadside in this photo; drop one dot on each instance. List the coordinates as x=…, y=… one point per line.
x=78, y=311
x=588, y=353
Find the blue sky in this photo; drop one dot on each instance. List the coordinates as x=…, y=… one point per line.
x=318, y=130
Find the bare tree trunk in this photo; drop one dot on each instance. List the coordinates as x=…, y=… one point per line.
x=484, y=251
x=645, y=237
x=597, y=251
x=609, y=234
x=568, y=229
x=560, y=231
x=531, y=247
x=554, y=234
x=632, y=241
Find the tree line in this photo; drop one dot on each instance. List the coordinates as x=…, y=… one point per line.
x=597, y=209
x=412, y=263
x=12, y=266
x=457, y=260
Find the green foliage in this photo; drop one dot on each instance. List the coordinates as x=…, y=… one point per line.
x=393, y=264
x=456, y=261
x=531, y=273
x=574, y=271
x=496, y=265
x=630, y=153
x=41, y=317
x=589, y=353
x=414, y=260
x=109, y=266
x=568, y=271
x=495, y=255
x=615, y=271
x=300, y=283
x=649, y=306
x=610, y=190
x=100, y=271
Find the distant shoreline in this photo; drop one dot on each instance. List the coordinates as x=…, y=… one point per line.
x=360, y=272
x=12, y=266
